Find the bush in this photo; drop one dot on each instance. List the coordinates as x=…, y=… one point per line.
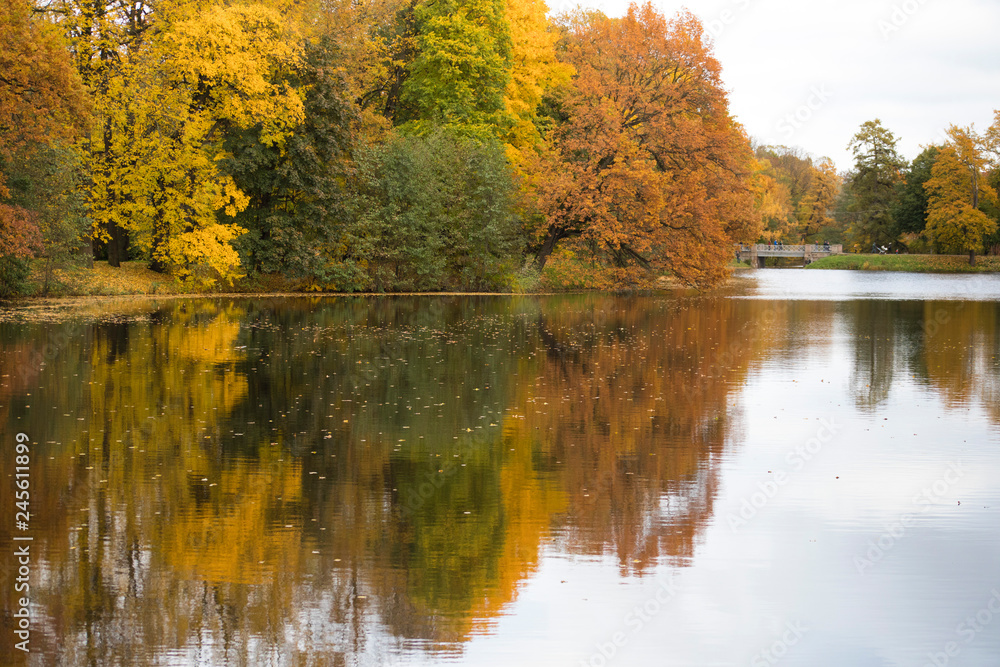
x=14, y=273
x=434, y=213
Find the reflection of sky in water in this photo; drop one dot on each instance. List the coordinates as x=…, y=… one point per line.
x=823, y=285
x=805, y=557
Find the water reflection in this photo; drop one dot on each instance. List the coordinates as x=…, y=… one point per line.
x=952, y=346
x=355, y=481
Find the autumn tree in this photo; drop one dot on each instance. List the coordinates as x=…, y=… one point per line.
x=772, y=202
x=104, y=38
x=43, y=108
x=957, y=191
x=41, y=96
x=169, y=85
x=877, y=171
x=535, y=69
x=646, y=164
x=814, y=211
x=225, y=68
x=792, y=166
x=461, y=68
x=787, y=177
x=991, y=140
x=991, y=145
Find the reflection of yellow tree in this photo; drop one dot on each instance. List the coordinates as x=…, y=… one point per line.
x=148, y=523
x=227, y=530
x=961, y=350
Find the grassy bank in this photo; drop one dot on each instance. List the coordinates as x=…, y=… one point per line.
x=135, y=278
x=911, y=263
x=560, y=275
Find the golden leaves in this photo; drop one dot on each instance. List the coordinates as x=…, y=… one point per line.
x=956, y=190
x=231, y=59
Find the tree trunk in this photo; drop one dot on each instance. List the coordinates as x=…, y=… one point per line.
x=161, y=231
x=972, y=258
x=117, y=245
x=547, y=247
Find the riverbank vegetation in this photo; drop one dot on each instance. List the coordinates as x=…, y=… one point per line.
x=397, y=145
x=910, y=263
x=363, y=146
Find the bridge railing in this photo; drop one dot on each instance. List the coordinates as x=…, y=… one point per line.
x=796, y=248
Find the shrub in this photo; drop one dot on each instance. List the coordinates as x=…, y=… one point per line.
x=434, y=212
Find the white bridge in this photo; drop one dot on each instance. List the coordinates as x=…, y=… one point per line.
x=755, y=254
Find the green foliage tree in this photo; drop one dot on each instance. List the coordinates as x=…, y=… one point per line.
x=910, y=209
x=296, y=191
x=46, y=180
x=877, y=170
x=461, y=70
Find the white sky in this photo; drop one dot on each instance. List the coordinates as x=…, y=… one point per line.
x=918, y=65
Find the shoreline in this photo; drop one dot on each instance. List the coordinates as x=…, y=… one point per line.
x=943, y=264
x=148, y=285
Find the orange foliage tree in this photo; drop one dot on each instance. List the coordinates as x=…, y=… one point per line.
x=41, y=97
x=41, y=100
x=646, y=164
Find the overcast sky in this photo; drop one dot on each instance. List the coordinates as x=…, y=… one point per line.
x=807, y=73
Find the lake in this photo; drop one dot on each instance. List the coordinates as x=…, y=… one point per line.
x=800, y=469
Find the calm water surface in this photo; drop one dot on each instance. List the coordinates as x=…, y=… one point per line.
x=801, y=470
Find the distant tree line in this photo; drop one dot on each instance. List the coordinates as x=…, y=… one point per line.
x=944, y=201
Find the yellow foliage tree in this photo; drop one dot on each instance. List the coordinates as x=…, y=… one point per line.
x=772, y=201
x=169, y=81
x=813, y=213
x=956, y=190
x=534, y=69
x=226, y=67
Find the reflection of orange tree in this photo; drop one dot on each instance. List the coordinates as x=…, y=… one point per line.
x=608, y=437
x=627, y=412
